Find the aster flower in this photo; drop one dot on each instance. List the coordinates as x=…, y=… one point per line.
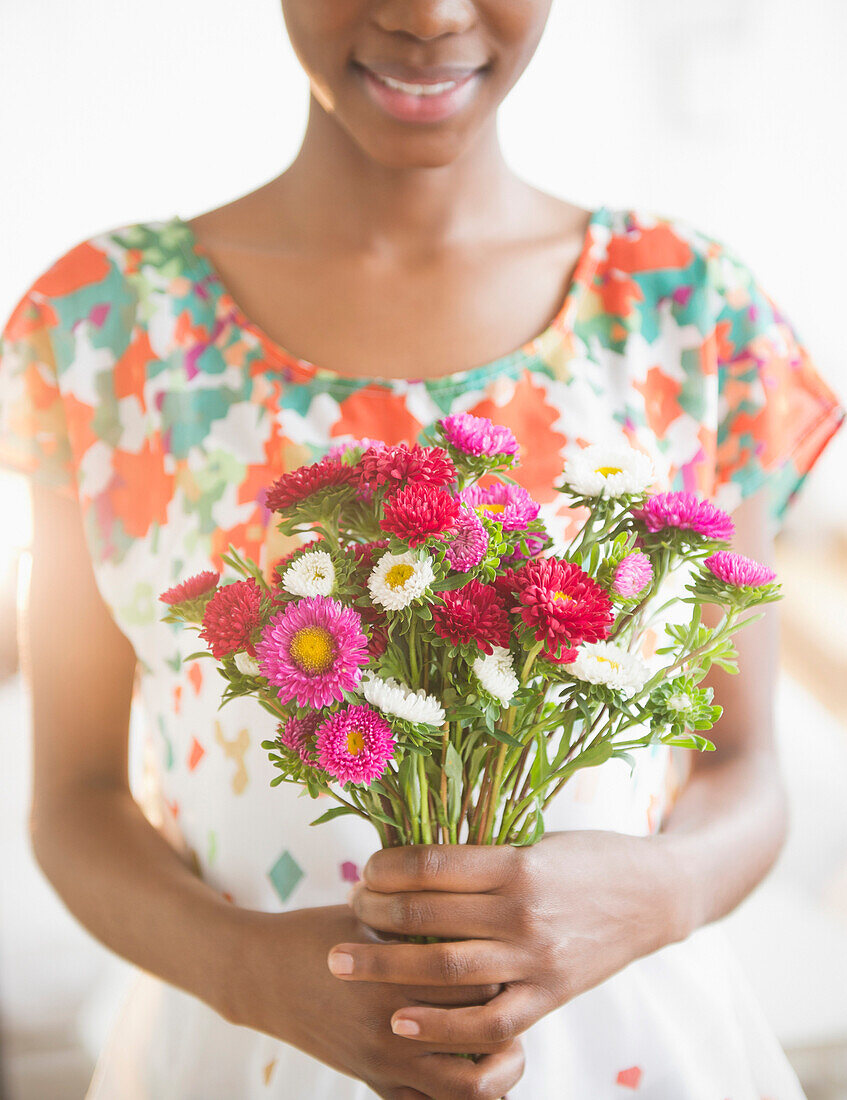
x=309, y=484
x=562, y=605
x=632, y=575
x=685, y=512
x=496, y=672
x=611, y=472
x=231, y=617
x=472, y=613
x=313, y=650
x=298, y=735
x=477, y=435
x=399, y=579
x=354, y=745
x=201, y=584
x=679, y=705
x=739, y=572
x=468, y=541
x=418, y=511
x=310, y=574
x=247, y=665
x=511, y=505
x=394, y=466
x=401, y=701
x=611, y=666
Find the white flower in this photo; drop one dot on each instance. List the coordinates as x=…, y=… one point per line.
x=312, y=574
x=611, y=665
x=398, y=579
x=496, y=673
x=392, y=697
x=680, y=701
x=610, y=471
x=247, y=665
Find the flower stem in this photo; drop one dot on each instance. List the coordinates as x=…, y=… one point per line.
x=426, y=827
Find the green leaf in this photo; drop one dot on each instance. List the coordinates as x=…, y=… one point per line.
x=455, y=775
x=196, y=656
x=336, y=811
x=505, y=738
x=690, y=741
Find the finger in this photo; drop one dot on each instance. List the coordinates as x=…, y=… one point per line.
x=449, y=1078
x=468, y=962
x=426, y=913
x=504, y=1018
x=452, y=995
x=452, y=868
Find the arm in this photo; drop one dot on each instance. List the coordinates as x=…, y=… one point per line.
x=127, y=886
x=555, y=920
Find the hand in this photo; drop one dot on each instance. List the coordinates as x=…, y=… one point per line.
x=281, y=986
x=549, y=921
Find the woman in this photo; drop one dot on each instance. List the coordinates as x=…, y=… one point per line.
x=160, y=375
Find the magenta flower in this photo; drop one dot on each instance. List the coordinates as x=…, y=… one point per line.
x=313, y=651
x=738, y=571
x=687, y=512
x=342, y=449
x=468, y=541
x=510, y=504
x=354, y=745
x=477, y=435
x=632, y=575
x=298, y=734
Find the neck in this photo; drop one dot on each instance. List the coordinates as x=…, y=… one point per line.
x=356, y=200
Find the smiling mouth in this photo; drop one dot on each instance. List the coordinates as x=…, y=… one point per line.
x=423, y=99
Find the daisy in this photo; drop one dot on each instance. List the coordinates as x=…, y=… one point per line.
x=468, y=541
x=686, y=512
x=612, y=471
x=473, y=613
x=610, y=665
x=496, y=672
x=313, y=650
x=231, y=617
x=632, y=575
x=354, y=745
x=510, y=504
x=401, y=701
x=311, y=574
x=417, y=511
x=399, y=579
x=477, y=435
x=739, y=572
x=561, y=604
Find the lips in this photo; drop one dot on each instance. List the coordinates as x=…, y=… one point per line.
x=420, y=95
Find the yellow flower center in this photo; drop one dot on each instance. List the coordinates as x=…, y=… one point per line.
x=608, y=661
x=312, y=649
x=563, y=596
x=607, y=471
x=496, y=508
x=397, y=575
x=355, y=742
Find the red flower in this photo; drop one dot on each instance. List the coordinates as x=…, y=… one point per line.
x=195, y=586
x=417, y=511
x=305, y=481
x=562, y=605
x=232, y=615
x=395, y=465
x=473, y=614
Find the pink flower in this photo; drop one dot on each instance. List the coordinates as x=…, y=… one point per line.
x=342, y=449
x=313, y=650
x=417, y=511
x=468, y=540
x=198, y=585
x=354, y=745
x=473, y=613
x=687, y=512
x=231, y=617
x=632, y=575
x=477, y=435
x=510, y=504
x=562, y=605
x=297, y=734
x=738, y=571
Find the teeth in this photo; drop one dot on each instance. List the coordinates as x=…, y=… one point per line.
x=417, y=89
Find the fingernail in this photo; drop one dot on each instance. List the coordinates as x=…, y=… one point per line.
x=404, y=1026
x=340, y=963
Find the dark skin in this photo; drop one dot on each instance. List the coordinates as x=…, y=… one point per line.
x=405, y=250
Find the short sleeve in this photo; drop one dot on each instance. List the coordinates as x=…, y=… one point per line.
x=776, y=413
x=34, y=437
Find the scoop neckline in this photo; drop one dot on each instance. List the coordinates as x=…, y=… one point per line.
x=303, y=370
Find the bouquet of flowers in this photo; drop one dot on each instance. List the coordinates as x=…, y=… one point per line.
x=433, y=667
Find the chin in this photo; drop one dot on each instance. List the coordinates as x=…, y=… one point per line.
x=434, y=150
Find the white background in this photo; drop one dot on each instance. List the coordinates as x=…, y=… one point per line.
x=727, y=113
